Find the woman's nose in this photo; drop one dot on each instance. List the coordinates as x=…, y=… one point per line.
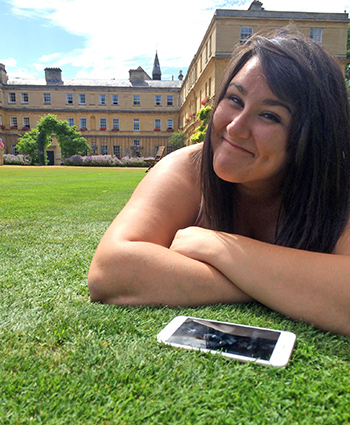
x=239, y=126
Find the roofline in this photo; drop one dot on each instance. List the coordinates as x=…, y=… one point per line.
x=312, y=16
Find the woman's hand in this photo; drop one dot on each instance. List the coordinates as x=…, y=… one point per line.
x=198, y=243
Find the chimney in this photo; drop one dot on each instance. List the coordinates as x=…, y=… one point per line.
x=256, y=5
x=53, y=76
x=3, y=74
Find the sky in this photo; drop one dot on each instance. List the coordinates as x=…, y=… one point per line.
x=104, y=39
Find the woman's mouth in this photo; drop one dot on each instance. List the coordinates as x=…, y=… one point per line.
x=238, y=147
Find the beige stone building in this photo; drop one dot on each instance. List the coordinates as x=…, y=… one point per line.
x=117, y=117
x=137, y=115
x=231, y=27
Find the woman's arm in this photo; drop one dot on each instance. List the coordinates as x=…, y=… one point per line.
x=303, y=285
x=133, y=263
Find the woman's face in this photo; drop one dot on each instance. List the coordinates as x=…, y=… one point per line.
x=250, y=131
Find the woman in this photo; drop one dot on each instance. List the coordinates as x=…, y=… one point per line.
x=260, y=211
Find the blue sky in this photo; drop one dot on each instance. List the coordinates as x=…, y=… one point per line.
x=105, y=39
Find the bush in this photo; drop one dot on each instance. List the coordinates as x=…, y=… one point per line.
x=105, y=161
x=10, y=159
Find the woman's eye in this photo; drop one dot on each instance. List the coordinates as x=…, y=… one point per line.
x=237, y=100
x=271, y=117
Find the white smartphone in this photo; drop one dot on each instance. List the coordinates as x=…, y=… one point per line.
x=245, y=343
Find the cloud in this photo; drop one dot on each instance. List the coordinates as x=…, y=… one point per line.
x=117, y=33
x=10, y=62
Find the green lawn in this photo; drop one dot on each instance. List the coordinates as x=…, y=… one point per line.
x=65, y=360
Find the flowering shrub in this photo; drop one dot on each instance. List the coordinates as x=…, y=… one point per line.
x=205, y=100
x=105, y=161
x=10, y=159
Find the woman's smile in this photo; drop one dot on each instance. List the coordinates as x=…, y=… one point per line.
x=237, y=146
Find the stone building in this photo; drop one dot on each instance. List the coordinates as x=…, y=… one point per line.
x=137, y=115
x=117, y=117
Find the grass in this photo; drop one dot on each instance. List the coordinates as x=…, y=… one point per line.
x=64, y=360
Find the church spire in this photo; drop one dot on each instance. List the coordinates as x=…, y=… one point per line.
x=156, y=73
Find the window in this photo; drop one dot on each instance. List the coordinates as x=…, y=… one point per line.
x=115, y=124
x=169, y=124
x=103, y=123
x=24, y=98
x=102, y=99
x=115, y=99
x=170, y=100
x=13, y=122
x=26, y=122
x=14, y=150
x=316, y=34
x=116, y=150
x=137, y=100
x=12, y=97
x=137, y=142
x=70, y=121
x=246, y=32
x=82, y=100
x=69, y=99
x=136, y=124
x=158, y=100
x=83, y=123
x=157, y=124
x=47, y=98
x=104, y=150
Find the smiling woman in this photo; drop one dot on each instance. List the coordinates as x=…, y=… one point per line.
x=260, y=211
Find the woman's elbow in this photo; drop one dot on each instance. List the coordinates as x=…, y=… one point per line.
x=110, y=276
x=96, y=287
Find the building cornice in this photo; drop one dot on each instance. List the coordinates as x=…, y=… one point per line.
x=295, y=16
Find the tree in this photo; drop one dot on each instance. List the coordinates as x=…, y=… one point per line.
x=28, y=145
x=69, y=139
x=178, y=139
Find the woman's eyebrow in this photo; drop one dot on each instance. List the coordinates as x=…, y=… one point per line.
x=239, y=87
x=273, y=102
x=268, y=102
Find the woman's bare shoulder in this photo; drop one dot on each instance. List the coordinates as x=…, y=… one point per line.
x=166, y=200
x=343, y=245
x=184, y=159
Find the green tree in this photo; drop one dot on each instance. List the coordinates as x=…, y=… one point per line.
x=28, y=145
x=178, y=139
x=69, y=139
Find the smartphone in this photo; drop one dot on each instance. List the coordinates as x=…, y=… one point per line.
x=245, y=343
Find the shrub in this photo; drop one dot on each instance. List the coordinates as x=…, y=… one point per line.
x=10, y=159
x=105, y=161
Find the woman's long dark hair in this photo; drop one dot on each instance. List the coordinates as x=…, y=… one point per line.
x=315, y=190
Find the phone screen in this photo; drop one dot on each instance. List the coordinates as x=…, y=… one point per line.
x=229, y=338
